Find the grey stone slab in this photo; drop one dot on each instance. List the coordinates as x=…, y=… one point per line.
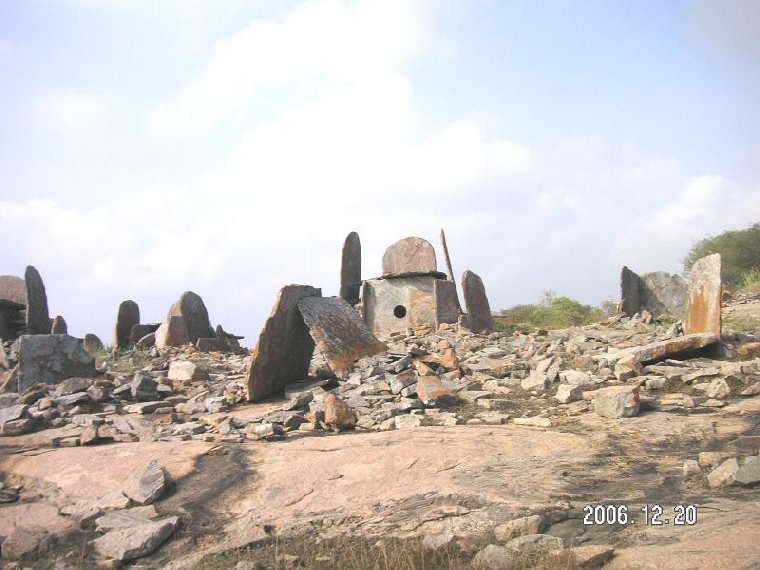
x=662, y=293
x=172, y=332
x=476, y=301
x=393, y=305
x=190, y=306
x=703, y=296
x=51, y=358
x=629, y=291
x=284, y=349
x=139, y=331
x=351, y=269
x=59, y=326
x=37, y=314
x=127, y=317
x=338, y=332
x=446, y=301
x=409, y=255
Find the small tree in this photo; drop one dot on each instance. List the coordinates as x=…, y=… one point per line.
x=739, y=251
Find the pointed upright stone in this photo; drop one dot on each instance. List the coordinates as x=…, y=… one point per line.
x=59, y=325
x=476, y=301
x=283, y=351
x=629, y=291
x=351, y=269
x=191, y=308
x=703, y=296
x=37, y=315
x=127, y=317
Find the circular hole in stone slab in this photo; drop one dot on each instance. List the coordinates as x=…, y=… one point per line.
x=399, y=311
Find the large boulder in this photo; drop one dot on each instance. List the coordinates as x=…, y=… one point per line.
x=51, y=358
x=191, y=308
x=127, y=317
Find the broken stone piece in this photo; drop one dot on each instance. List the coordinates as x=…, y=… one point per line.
x=146, y=484
x=136, y=541
x=338, y=414
x=617, y=401
x=51, y=358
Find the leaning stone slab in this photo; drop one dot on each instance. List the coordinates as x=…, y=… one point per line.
x=351, y=269
x=51, y=358
x=191, y=308
x=409, y=255
x=663, y=349
x=703, y=296
x=37, y=315
x=283, y=351
x=339, y=333
x=145, y=485
x=135, y=541
x=617, y=402
x=476, y=301
x=127, y=317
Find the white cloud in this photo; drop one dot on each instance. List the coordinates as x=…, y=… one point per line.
x=321, y=40
x=73, y=113
x=5, y=45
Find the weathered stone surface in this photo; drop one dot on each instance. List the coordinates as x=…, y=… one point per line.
x=446, y=301
x=127, y=317
x=145, y=485
x=191, y=308
x=25, y=542
x=338, y=414
x=592, y=555
x=186, y=371
x=211, y=345
x=11, y=419
x=283, y=351
x=749, y=472
x=432, y=389
x=409, y=255
x=535, y=542
x=568, y=393
x=143, y=388
x=518, y=527
x=37, y=315
x=51, y=358
x=172, y=332
x=92, y=343
x=59, y=326
x=629, y=292
x=662, y=293
x=71, y=386
x=724, y=474
x=617, y=401
x=351, y=269
x=493, y=557
x=135, y=541
x=664, y=348
x=338, y=332
x=393, y=305
x=476, y=302
x=13, y=288
x=704, y=296
x=138, y=331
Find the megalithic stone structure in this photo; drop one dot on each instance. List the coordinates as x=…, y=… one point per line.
x=37, y=314
x=351, y=269
x=476, y=301
x=703, y=302
x=127, y=317
x=449, y=268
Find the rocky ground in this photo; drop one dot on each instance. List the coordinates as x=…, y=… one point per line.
x=500, y=446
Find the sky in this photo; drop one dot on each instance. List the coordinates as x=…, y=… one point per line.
x=151, y=147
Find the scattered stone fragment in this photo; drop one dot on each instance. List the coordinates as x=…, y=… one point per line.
x=186, y=371
x=749, y=472
x=617, y=401
x=338, y=414
x=724, y=474
x=752, y=390
x=135, y=541
x=145, y=485
x=26, y=542
x=518, y=527
x=719, y=389
x=493, y=557
x=592, y=555
x=691, y=467
x=433, y=390
x=535, y=542
x=533, y=422
x=567, y=393
x=143, y=388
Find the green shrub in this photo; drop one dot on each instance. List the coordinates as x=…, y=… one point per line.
x=739, y=251
x=750, y=281
x=551, y=312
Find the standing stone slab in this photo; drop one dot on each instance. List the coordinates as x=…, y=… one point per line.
x=37, y=315
x=51, y=358
x=446, y=301
x=172, y=332
x=191, y=308
x=283, y=351
x=338, y=332
x=629, y=291
x=476, y=301
x=127, y=317
x=409, y=255
x=59, y=326
x=662, y=293
x=138, y=331
x=351, y=269
x=13, y=288
x=703, y=296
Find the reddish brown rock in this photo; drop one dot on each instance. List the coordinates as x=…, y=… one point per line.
x=431, y=389
x=703, y=297
x=283, y=351
x=338, y=414
x=339, y=333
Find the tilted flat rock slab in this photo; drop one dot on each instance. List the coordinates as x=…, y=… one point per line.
x=136, y=541
x=409, y=255
x=283, y=351
x=664, y=348
x=51, y=358
x=338, y=332
x=703, y=296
